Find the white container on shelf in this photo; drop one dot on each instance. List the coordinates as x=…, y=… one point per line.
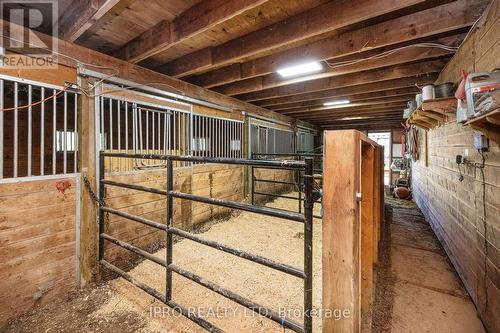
x=428, y=92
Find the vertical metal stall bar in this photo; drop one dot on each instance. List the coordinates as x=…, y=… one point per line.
x=308, y=240
x=202, y=140
x=139, y=124
x=119, y=132
x=30, y=129
x=240, y=137
x=16, y=124
x=216, y=137
x=102, y=138
x=110, y=133
x=165, y=133
x=175, y=128
x=153, y=133
x=54, y=131
x=231, y=136
x=224, y=138
x=147, y=131
x=209, y=137
x=158, y=146
x=65, y=133
x=182, y=134
x=101, y=213
x=126, y=136
x=235, y=138
x=194, y=135
x=169, y=137
x=180, y=140
x=252, y=177
x=297, y=175
x=75, y=136
x=134, y=128
x=169, y=241
x=1, y=128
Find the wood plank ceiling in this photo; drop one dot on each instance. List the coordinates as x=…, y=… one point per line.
x=235, y=47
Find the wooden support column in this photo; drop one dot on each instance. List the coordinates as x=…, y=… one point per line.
x=88, y=213
x=341, y=230
x=351, y=204
x=367, y=225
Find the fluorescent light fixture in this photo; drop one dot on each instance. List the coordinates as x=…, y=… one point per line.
x=306, y=68
x=352, y=118
x=339, y=102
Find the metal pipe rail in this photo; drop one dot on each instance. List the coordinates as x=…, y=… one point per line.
x=306, y=218
x=297, y=175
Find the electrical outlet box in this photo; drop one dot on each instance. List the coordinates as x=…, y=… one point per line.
x=466, y=153
x=480, y=142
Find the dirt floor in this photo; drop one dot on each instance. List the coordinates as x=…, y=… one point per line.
x=418, y=290
x=118, y=306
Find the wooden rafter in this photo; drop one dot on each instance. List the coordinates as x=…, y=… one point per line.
x=428, y=67
x=381, y=101
x=352, y=98
x=347, y=92
x=293, y=30
x=352, y=111
x=68, y=52
x=400, y=30
x=81, y=15
x=275, y=80
x=387, y=111
x=199, y=18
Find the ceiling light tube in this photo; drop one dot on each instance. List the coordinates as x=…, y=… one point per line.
x=306, y=68
x=339, y=102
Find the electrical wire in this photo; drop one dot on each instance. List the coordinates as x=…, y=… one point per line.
x=35, y=103
x=79, y=63
x=485, y=226
x=390, y=52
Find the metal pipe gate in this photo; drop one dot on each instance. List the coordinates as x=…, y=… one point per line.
x=305, y=166
x=317, y=160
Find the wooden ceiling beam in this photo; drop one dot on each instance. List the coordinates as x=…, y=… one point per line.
x=331, y=94
x=445, y=18
x=368, y=121
x=74, y=55
x=400, y=98
x=201, y=17
x=395, y=72
x=387, y=126
x=351, y=111
x=275, y=80
x=353, y=98
x=387, y=111
x=81, y=15
x=420, y=25
x=295, y=29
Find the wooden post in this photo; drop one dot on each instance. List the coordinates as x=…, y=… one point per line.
x=351, y=204
x=88, y=212
x=341, y=230
x=367, y=225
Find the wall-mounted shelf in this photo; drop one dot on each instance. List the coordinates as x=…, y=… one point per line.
x=446, y=106
x=433, y=113
x=489, y=124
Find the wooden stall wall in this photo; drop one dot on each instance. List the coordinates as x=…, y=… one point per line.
x=276, y=188
x=210, y=180
x=456, y=209
x=38, y=255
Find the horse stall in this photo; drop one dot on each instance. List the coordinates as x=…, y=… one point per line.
x=195, y=209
